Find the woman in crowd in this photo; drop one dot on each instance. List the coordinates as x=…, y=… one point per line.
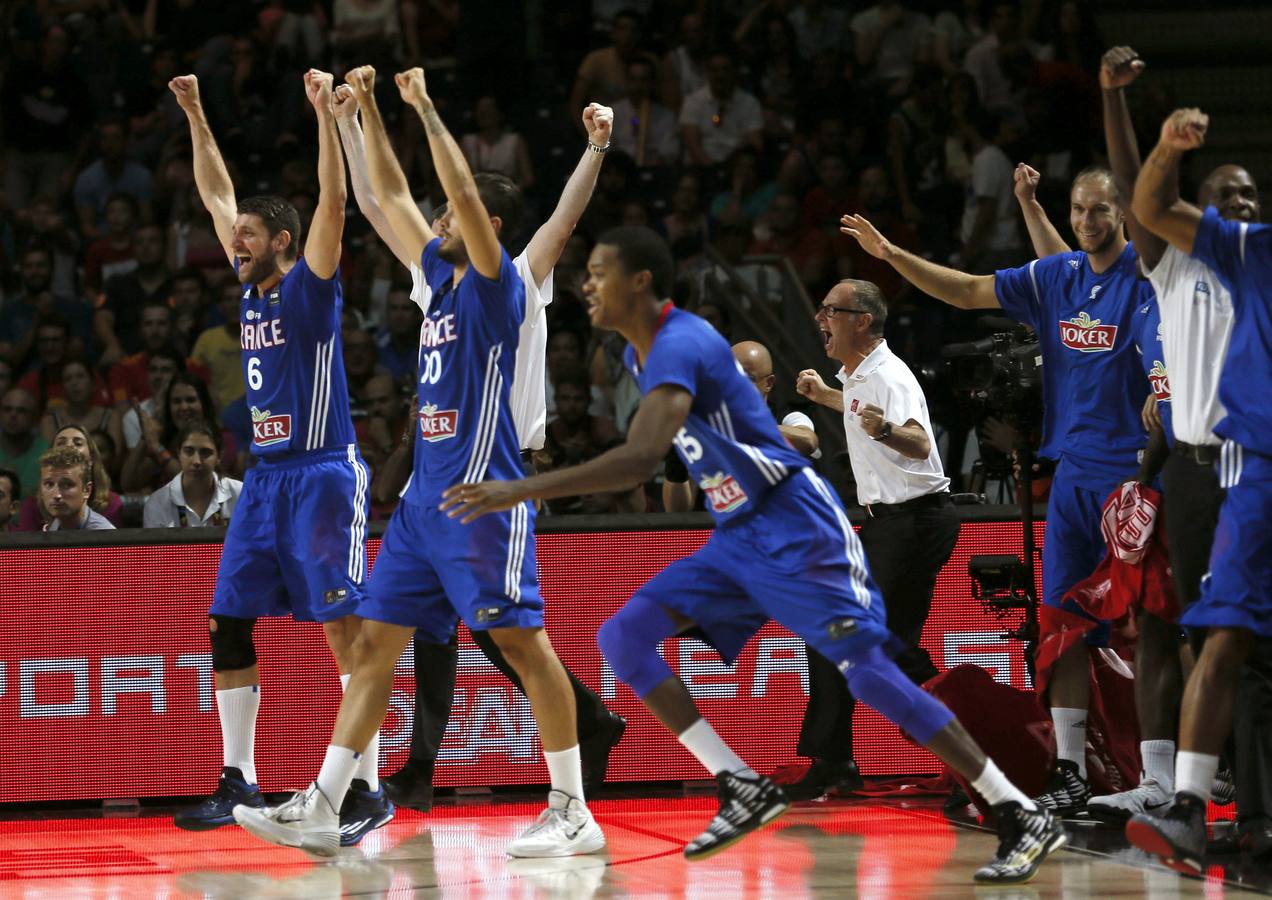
x=153, y=461
x=197, y=496
x=83, y=405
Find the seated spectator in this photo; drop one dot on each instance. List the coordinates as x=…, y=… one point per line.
x=10, y=491
x=567, y=349
x=612, y=378
x=20, y=445
x=874, y=194
x=53, y=349
x=217, y=349
x=818, y=26
x=398, y=343
x=829, y=135
x=111, y=173
x=129, y=378
x=761, y=281
x=116, y=321
x=890, y=40
x=189, y=304
x=915, y=149
x=360, y=365
x=34, y=515
x=86, y=405
x=686, y=226
x=684, y=69
x=109, y=453
x=994, y=88
x=748, y=197
x=496, y=148
x=192, y=240
x=1075, y=36
x=824, y=204
x=162, y=365
x=386, y=412
x=718, y=119
x=808, y=249
x=65, y=488
x=954, y=32
x=197, y=497
x=46, y=226
x=153, y=461
x=602, y=76
x=644, y=129
x=19, y=311
x=113, y=253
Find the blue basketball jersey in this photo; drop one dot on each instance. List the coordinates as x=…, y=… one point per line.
x=1093, y=387
x=468, y=351
x=730, y=442
x=1241, y=256
x=293, y=364
x=1148, y=341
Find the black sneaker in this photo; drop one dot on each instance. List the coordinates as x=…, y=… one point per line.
x=1025, y=838
x=362, y=812
x=1067, y=792
x=594, y=752
x=1223, y=790
x=819, y=778
x=745, y=805
x=231, y=791
x=410, y=786
x=1177, y=836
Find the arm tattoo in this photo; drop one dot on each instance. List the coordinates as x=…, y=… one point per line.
x=433, y=123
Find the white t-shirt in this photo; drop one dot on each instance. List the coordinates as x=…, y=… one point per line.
x=883, y=475
x=901, y=44
x=1196, y=315
x=528, y=396
x=741, y=116
x=992, y=177
x=166, y=507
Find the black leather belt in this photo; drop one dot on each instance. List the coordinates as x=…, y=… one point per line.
x=876, y=510
x=1201, y=454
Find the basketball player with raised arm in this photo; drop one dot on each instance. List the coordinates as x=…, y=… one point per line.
x=296, y=542
x=430, y=567
x=782, y=549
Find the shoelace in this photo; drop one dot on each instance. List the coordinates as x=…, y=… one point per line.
x=1009, y=830
x=546, y=818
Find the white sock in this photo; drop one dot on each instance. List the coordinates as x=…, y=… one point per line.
x=565, y=768
x=993, y=785
x=1195, y=773
x=336, y=773
x=369, y=763
x=1070, y=727
x=701, y=740
x=237, y=708
x=1158, y=758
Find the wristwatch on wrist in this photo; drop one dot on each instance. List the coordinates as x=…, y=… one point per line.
x=885, y=433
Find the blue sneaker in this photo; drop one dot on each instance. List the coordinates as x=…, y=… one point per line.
x=231, y=791
x=362, y=812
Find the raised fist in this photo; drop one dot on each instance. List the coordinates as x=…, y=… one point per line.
x=1027, y=179
x=362, y=82
x=344, y=102
x=318, y=86
x=411, y=86
x=1119, y=67
x=599, y=122
x=186, y=88
x=1185, y=129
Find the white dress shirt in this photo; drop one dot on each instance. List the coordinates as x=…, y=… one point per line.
x=883, y=475
x=166, y=507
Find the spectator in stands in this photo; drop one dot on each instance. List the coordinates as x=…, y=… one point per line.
x=154, y=460
x=984, y=61
x=645, y=129
x=915, y=150
x=19, y=311
x=826, y=133
x=684, y=69
x=161, y=366
x=20, y=445
x=130, y=377
x=602, y=76
x=954, y=32
x=111, y=173
x=108, y=453
x=217, y=349
x=197, y=497
x=386, y=407
x=496, y=148
x=53, y=349
x=717, y=119
x=567, y=349
x=113, y=253
x=874, y=192
x=360, y=365
x=45, y=225
x=33, y=515
x=890, y=40
x=192, y=241
x=834, y=192
x=189, y=307
x=65, y=488
x=748, y=197
x=808, y=249
x=87, y=404
x=686, y=226
x=117, y=322
x=1075, y=36
x=819, y=26
x=991, y=224
x=366, y=31
x=397, y=344
x=618, y=389
x=10, y=492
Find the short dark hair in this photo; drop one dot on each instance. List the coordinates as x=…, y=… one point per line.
x=867, y=296
x=169, y=353
x=574, y=376
x=501, y=197
x=190, y=273
x=200, y=427
x=641, y=249
x=15, y=483
x=52, y=320
x=278, y=215
x=128, y=200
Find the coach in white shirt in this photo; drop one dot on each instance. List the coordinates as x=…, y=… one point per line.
x=911, y=527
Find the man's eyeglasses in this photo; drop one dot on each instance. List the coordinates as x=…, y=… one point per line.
x=756, y=379
x=830, y=312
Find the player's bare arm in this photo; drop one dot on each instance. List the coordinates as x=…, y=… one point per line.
x=1043, y=235
x=801, y=437
x=354, y=143
x=949, y=285
x=480, y=239
x=210, y=175
x=549, y=241
x=387, y=180
x=661, y=415
x=1119, y=67
x=322, y=250
x=1157, y=203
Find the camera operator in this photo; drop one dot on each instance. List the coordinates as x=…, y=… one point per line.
x=911, y=527
x=1082, y=305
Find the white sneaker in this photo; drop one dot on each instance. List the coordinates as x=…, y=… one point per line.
x=307, y=821
x=565, y=828
x=1148, y=797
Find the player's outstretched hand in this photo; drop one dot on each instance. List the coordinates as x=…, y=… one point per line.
x=599, y=122
x=412, y=87
x=186, y=87
x=473, y=500
x=318, y=86
x=362, y=82
x=1185, y=129
x=1027, y=179
x=1119, y=67
x=809, y=384
x=344, y=102
x=867, y=235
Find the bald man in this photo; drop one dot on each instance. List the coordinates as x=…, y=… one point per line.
x=756, y=363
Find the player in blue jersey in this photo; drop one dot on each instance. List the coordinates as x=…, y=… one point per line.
x=782, y=549
x=1236, y=598
x=431, y=568
x=296, y=543
x=1082, y=305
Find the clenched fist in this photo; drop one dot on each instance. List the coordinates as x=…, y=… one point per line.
x=186, y=88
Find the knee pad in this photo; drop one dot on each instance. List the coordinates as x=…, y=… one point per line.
x=629, y=642
x=878, y=682
x=232, y=645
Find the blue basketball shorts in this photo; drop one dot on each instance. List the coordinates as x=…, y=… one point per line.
x=795, y=560
x=1237, y=591
x=296, y=544
x=431, y=567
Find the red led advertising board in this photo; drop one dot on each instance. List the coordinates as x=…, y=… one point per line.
x=106, y=677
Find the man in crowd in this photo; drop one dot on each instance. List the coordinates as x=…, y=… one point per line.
x=719, y=118
x=66, y=484
x=10, y=498
x=20, y=444
x=117, y=319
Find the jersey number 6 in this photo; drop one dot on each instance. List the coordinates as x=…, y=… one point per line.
x=254, y=379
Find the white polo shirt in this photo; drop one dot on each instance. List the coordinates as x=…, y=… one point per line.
x=1196, y=313
x=883, y=475
x=166, y=507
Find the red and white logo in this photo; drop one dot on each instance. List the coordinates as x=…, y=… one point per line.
x=1158, y=381
x=723, y=492
x=853, y=406
x=438, y=424
x=269, y=429
x=1087, y=335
